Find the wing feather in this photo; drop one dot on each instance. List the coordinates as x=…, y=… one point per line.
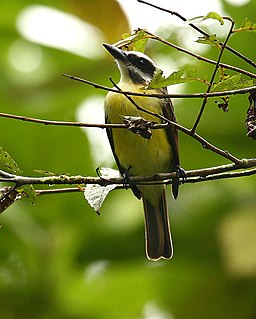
x=111, y=142
x=172, y=135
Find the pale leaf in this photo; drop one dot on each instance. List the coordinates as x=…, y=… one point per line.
x=95, y=194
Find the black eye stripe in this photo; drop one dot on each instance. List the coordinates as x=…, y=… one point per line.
x=141, y=62
x=141, y=69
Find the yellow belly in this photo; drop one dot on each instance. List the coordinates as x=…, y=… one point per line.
x=145, y=157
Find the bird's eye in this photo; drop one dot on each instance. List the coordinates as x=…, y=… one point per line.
x=141, y=63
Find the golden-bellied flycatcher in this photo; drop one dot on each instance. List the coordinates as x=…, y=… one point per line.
x=136, y=155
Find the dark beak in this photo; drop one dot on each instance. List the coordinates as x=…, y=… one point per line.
x=116, y=53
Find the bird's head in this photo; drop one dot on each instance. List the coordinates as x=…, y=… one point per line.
x=134, y=66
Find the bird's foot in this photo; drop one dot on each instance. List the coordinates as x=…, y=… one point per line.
x=181, y=174
x=128, y=181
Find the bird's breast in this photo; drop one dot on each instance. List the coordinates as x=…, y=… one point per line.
x=144, y=156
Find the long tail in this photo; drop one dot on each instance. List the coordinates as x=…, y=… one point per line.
x=157, y=228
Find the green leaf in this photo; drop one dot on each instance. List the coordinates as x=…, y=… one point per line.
x=195, y=20
x=215, y=16
x=138, y=38
x=126, y=35
x=12, y=167
x=30, y=193
x=209, y=39
x=232, y=83
x=157, y=80
x=247, y=25
x=210, y=15
x=177, y=77
x=141, y=42
x=9, y=163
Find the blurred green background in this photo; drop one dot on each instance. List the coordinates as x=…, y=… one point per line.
x=59, y=259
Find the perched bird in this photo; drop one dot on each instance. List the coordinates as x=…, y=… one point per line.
x=138, y=156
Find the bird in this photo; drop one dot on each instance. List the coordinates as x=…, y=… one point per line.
x=139, y=156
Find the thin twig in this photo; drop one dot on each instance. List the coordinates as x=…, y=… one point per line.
x=51, y=122
x=213, y=77
x=64, y=123
x=164, y=96
x=196, y=136
x=165, y=177
x=189, y=180
x=183, y=129
x=242, y=173
x=40, y=192
x=240, y=55
x=197, y=56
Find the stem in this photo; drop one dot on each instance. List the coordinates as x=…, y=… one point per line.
x=240, y=55
x=82, y=180
x=63, y=123
x=198, y=57
x=164, y=96
x=212, y=78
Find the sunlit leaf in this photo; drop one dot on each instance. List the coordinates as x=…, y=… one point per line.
x=247, y=25
x=210, y=15
x=140, y=42
x=137, y=38
x=126, y=35
x=209, y=39
x=232, y=83
x=215, y=16
x=176, y=77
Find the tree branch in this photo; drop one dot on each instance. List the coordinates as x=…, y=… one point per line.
x=189, y=132
x=215, y=172
x=198, y=57
x=213, y=77
x=239, y=167
x=240, y=55
x=164, y=96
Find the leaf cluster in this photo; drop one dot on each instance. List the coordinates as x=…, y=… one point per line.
x=12, y=167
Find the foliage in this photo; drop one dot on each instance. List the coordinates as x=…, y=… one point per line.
x=11, y=166
x=59, y=259
x=177, y=77
x=247, y=25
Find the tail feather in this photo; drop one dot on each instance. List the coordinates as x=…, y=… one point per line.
x=157, y=229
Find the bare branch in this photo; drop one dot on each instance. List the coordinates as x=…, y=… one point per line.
x=164, y=177
x=60, y=123
x=201, y=176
